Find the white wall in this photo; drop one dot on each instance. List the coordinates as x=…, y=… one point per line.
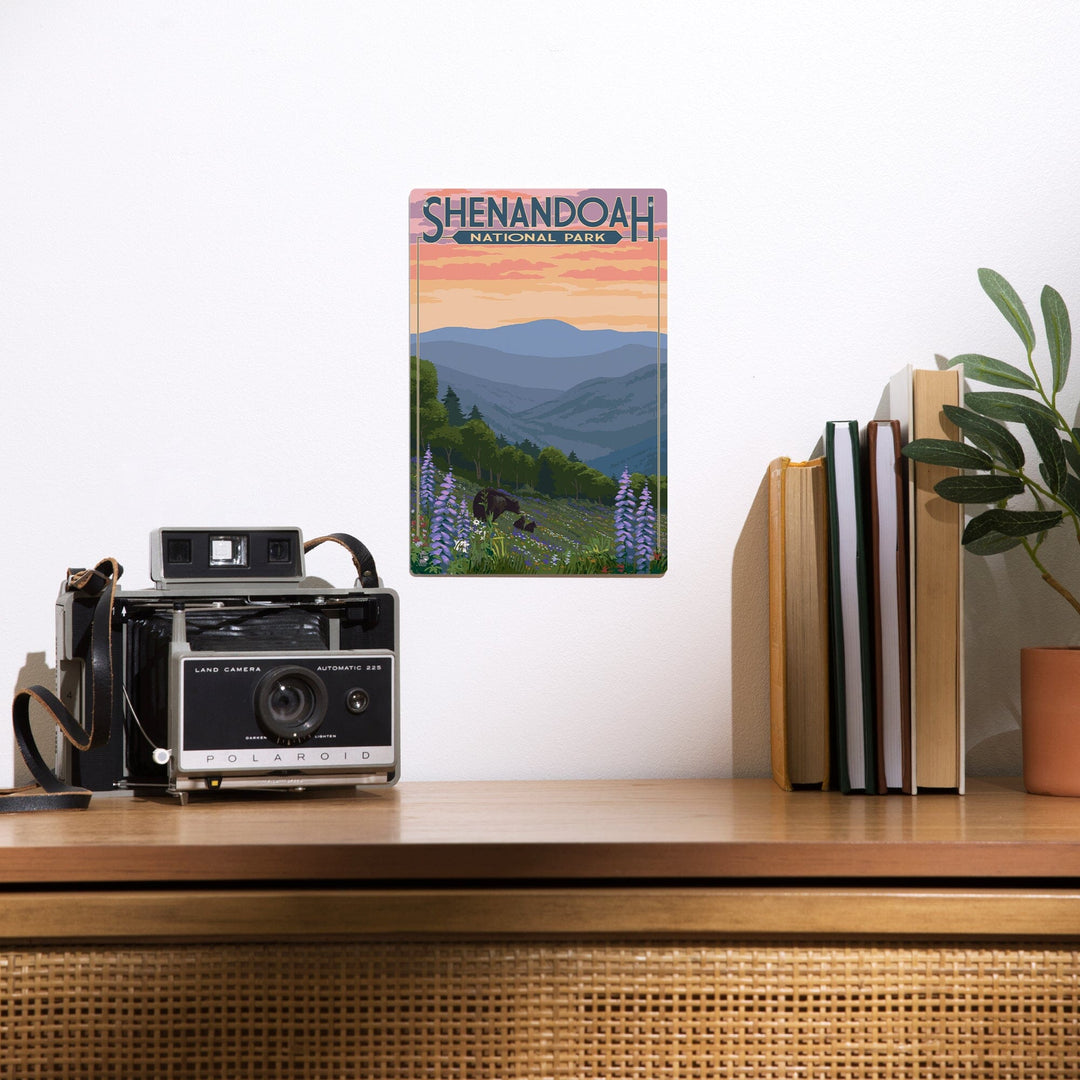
x=204, y=309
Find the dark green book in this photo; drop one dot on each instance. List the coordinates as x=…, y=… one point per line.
x=851, y=629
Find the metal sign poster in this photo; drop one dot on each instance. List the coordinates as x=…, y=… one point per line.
x=538, y=369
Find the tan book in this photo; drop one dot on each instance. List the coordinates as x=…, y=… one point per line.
x=798, y=623
x=937, y=599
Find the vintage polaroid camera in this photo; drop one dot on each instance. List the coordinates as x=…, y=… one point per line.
x=236, y=670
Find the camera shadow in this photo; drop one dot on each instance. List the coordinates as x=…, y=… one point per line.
x=36, y=671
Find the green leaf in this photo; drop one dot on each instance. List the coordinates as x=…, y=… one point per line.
x=1070, y=493
x=946, y=452
x=996, y=372
x=1058, y=333
x=1009, y=304
x=1010, y=523
x=993, y=544
x=978, y=489
x=996, y=439
x=1072, y=455
x=1048, y=444
x=1001, y=405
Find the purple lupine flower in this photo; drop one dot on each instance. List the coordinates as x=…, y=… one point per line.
x=442, y=522
x=463, y=530
x=624, y=520
x=644, y=530
x=427, y=482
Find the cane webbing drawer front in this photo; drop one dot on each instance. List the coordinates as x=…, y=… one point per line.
x=570, y=929
x=574, y=1009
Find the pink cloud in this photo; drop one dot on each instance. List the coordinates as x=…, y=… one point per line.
x=472, y=271
x=612, y=273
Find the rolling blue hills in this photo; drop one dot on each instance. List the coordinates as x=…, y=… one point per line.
x=608, y=422
x=543, y=352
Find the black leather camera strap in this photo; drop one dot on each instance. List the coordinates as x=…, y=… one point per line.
x=50, y=792
x=361, y=557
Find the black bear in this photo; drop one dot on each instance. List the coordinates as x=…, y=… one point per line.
x=491, y=502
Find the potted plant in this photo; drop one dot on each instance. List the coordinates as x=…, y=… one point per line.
x=999, y=471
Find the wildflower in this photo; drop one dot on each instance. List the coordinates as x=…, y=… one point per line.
x=442, y=521
x=644, y=530
x=625, y=541
x=464, y=527
x=427, y=481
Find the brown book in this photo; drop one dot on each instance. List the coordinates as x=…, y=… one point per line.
x=798, y=623
x=936, y=591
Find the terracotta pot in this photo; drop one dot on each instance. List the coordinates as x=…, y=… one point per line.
x=1050, y=720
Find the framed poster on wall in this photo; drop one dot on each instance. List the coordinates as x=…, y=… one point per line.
x=538, y=382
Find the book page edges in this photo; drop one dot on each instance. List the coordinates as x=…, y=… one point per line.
x=779, y=635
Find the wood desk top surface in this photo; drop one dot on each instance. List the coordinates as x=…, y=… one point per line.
x=710, y=831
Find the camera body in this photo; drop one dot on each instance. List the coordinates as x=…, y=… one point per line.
x=237, y=671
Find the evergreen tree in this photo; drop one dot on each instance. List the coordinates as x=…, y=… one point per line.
x=476, y=414
x=454, y=416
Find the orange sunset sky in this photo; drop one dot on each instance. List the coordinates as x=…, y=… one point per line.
x=620, y=286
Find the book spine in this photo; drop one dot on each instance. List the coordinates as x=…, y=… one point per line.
x=777, y=627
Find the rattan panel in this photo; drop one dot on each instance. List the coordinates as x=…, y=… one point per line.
x=518, y=1009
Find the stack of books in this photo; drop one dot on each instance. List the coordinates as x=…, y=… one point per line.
x=866, y=605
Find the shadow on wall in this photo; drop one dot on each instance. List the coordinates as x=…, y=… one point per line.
x=36, y=671
x=1008, y=607
x=750, y=641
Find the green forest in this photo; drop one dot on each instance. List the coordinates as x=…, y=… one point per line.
x=570, y=518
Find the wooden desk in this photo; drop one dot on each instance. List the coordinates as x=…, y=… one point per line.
x=646, y=928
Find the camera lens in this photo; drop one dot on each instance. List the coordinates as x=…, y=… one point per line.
x=290, y=704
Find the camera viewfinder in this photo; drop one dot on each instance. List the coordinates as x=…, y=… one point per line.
x=228, y=551
x=179, y=550
x=278, y=550
x=261, y=556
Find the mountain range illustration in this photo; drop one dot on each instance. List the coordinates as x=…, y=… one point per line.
x=543, y=352
x=599, y=393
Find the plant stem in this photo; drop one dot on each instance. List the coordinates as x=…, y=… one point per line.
x=1038, y=381
x=1058, y=587
x=1050, y=579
